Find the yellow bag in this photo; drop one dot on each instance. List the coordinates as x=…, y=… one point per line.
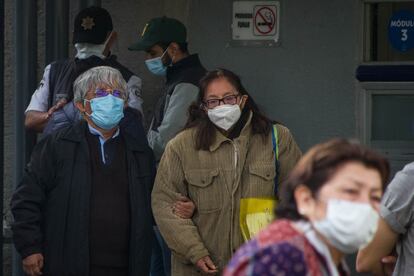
x=255, y=215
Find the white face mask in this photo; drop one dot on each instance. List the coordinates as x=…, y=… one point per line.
x=348, y=226
x=224, y=116
x=85, y=50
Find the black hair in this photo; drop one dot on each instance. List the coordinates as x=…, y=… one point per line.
x=182, y=45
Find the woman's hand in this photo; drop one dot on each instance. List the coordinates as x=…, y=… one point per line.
x=206, y=265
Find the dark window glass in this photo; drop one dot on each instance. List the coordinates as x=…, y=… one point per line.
x=377, y=46
x=392, y=118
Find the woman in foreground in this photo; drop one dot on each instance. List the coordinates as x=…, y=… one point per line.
x=328, y=208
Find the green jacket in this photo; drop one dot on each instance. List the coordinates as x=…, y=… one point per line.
x=215, y=180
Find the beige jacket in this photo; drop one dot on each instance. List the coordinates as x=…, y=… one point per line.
x=215, y=180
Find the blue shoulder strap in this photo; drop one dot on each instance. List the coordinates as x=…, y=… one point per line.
x=275, y=143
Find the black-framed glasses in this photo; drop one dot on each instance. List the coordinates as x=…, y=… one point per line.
x=105, y=92
x=230, y=99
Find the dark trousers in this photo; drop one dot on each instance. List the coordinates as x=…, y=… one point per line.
x=107, y=271
x=161, y=256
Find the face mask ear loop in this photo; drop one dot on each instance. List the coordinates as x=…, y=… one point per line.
x=163, y=54
x=84, y=105
x=172, y=59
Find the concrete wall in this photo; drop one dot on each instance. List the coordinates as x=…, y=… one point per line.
x=306, y=83
x=9, y=112
x=8, y=124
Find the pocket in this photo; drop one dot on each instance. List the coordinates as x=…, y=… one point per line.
x=261, y=179
x=205, y=190
x=266, y=172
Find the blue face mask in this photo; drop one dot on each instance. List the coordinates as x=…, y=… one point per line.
x=156, y=66
x=106, y=111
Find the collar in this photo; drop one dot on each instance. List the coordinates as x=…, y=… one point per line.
x=220, y=138
x=306, y=228
x=185, y=63
x=76, y=133
x=96, y=132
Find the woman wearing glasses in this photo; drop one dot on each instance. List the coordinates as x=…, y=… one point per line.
x=224, y=154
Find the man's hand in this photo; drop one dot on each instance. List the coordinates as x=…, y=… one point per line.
x=33, y=264
x=184, y=208
x=206, y=265
x=37, y=120
x=61, y=103
x=388, y=264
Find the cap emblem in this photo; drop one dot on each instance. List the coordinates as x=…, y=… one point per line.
x=87, y=23
x=145, y=29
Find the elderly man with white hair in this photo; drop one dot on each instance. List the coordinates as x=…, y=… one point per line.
x=83, y=205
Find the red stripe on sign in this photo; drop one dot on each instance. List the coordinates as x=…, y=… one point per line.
x=270, y=24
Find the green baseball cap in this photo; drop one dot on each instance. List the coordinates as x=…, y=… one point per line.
x=160, y=29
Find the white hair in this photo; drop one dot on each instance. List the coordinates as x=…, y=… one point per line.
x=97, y=77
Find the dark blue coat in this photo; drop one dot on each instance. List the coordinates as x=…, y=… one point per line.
x=51, y=204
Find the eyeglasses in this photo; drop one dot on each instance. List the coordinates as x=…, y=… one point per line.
x=105, y=92
x=212, y=103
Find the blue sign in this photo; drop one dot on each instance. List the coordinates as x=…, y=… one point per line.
x=401, y=30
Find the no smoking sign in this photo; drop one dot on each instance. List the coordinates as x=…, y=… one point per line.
x=256, y=23
x=264, y=20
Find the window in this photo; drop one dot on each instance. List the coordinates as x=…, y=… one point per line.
x=382, y=31
x=392, y=117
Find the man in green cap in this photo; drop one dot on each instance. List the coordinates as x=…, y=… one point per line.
x=165, y=42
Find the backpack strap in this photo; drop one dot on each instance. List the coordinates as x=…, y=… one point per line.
x=275, y=142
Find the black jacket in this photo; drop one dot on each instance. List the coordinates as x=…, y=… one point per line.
x=51, y=204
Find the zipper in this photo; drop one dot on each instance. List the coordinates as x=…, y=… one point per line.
x=236, y=157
